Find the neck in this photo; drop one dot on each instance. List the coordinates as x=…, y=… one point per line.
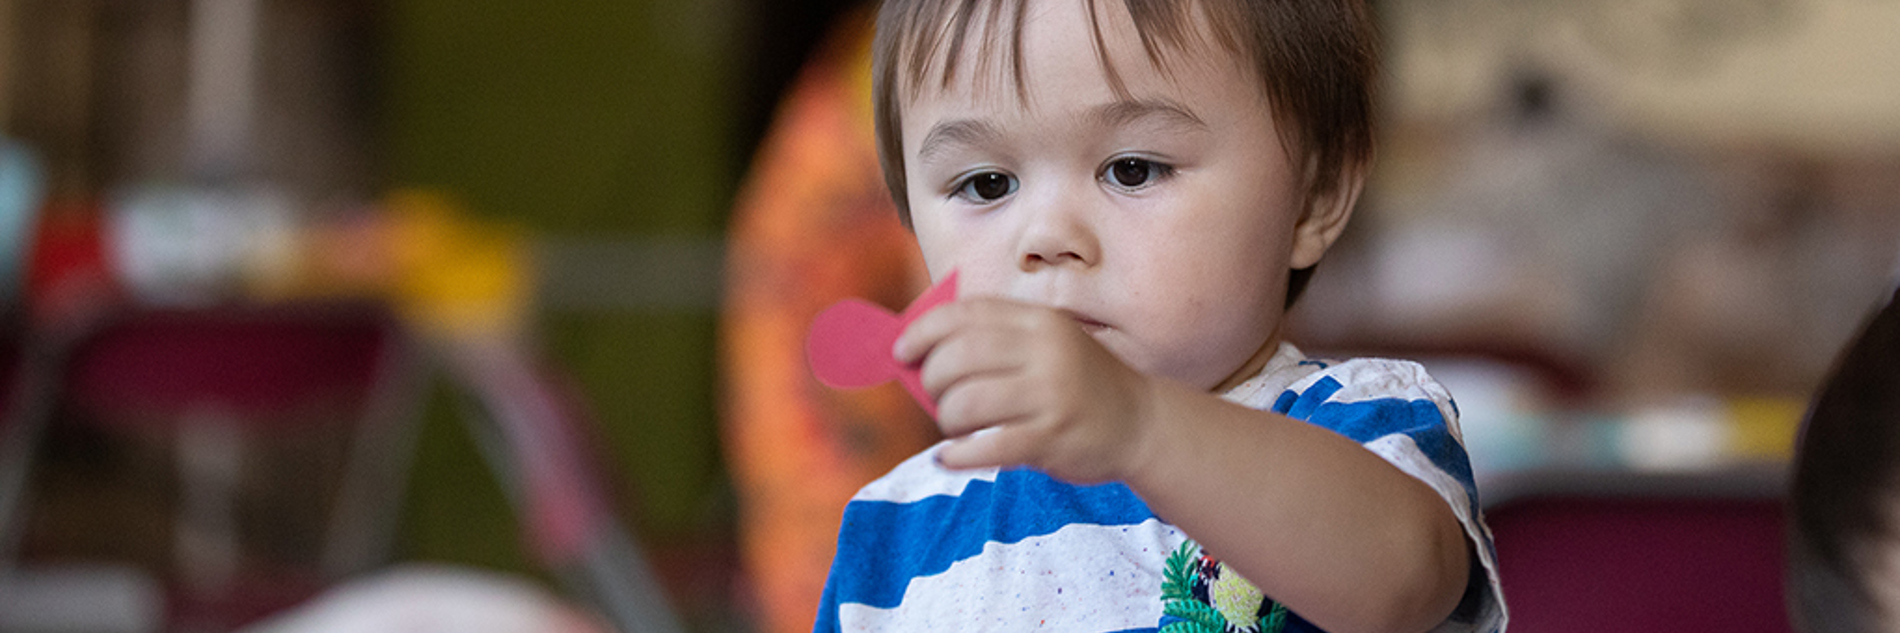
x=1254, y=363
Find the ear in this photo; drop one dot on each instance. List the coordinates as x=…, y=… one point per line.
x=1325, y=215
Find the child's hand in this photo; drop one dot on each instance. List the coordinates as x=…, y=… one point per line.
x=1042, y=392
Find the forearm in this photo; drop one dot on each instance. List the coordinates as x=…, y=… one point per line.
x=1313, y=519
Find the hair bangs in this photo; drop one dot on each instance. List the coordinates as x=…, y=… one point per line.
x=921, y=40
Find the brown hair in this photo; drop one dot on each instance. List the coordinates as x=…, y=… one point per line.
x=1315, y=60
x=1846, y=489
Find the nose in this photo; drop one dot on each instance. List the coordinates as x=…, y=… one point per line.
x=1057, y=235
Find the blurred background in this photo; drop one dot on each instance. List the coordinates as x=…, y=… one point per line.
x=500, y=304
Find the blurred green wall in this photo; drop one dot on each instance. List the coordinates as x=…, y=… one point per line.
x=581, y=118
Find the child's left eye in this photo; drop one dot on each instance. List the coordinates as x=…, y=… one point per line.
x=1133, y=172
x=986, y=187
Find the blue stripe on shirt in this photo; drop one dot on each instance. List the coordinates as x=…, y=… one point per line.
x=1368, y=420
x=883, y=545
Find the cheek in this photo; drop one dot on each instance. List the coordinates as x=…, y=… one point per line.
x=936, y=262
x=1212, y=294
x=964, y=248
x=1226, y=249
x=933, y=241
x=1207, y=345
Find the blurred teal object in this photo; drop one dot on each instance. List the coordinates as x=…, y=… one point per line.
x=22, y=185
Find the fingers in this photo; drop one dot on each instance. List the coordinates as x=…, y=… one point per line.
x=928, y=330
x=970, y=354
x=985, y=424
x=951, y=319
x=993, y=446
x=966, y=339
x=1004, y=375
x=983, y=402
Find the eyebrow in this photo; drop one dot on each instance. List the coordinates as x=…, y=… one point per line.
x=1123, y=112
x=1127, y=111
x=966, y=132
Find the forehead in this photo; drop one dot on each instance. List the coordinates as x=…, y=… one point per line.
x=986, y=46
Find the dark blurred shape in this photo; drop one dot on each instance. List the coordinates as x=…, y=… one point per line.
x=1536, y=97
x=782, y=37
x=1842, y=550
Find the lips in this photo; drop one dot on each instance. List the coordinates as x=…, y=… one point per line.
x=1088, y=324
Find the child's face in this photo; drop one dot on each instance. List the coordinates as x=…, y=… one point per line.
x=1166, y=223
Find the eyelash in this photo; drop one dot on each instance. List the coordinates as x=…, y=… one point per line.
x=1157, y=171
x=966, y=187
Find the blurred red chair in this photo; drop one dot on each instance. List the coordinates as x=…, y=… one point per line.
x=250, y=402
x=1622, y=551
x=317, y=406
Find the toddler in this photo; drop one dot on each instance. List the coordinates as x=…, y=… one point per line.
x=1132, y=194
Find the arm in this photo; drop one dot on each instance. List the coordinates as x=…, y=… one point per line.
x=1315, y=520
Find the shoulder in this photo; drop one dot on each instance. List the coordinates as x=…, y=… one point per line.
x=1396, y=410
x=1361, y=379
x=1399, y=412
x=1365, y=398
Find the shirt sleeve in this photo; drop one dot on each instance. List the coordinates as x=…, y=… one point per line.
x=1400, y=413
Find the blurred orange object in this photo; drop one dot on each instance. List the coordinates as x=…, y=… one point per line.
x=813, y=224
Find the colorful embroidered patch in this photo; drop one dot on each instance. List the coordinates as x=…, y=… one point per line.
x=1199, y=594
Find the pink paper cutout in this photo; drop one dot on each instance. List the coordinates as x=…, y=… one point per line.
x=849, y=345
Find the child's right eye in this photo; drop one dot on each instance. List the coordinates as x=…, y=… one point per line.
x=986, y=186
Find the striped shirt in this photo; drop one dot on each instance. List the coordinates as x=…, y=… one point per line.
x=925, y=548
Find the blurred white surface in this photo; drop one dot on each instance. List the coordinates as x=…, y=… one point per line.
x=80, y=598
x=431, y=599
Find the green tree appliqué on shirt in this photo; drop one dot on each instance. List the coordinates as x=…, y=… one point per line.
x=1199, y=594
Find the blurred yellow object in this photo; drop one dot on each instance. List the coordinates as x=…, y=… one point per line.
x=456, y=277
x=1765, y=427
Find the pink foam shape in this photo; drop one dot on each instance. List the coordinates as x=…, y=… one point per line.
x=849, y=344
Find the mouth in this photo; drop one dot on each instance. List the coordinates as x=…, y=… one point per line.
x=1088, y=324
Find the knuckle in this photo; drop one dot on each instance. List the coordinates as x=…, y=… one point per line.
x=1034, y=320
x=933, y=378
x=950, y=312
x=952, y=409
